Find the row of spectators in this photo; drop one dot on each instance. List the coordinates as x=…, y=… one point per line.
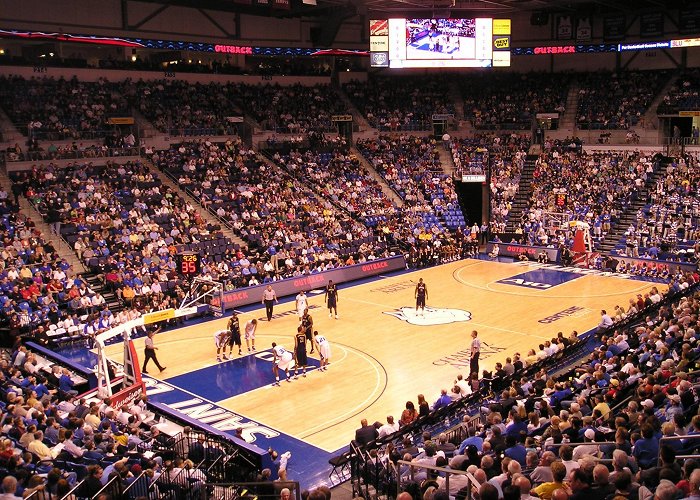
x=504, y=101
x=56, y=109
x=289, y=229
x=591, y=187
x=182, y=108
x=53, y=441
x=340, y=178
x=115, y=143
x=38, y=289
x=683, y=94
x=503, y=158
x=616, y=100
x=667, y=227
x=613, y=427
x=290, y=109
x=119, y=217
x=401, y=104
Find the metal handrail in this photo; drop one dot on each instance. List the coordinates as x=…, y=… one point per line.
x=114, y=485
x=688, y=437
x=596, y=443
x=89, y=153
x=442, y=470
x=135, y=485
x=219, y=490
x=73, y=492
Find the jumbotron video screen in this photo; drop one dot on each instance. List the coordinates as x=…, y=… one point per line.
x=440, y=43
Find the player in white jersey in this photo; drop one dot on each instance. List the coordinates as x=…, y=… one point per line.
x=283, y=360
x=250, y=327
x=324, y=350
x=301, y=303
x=221, y=341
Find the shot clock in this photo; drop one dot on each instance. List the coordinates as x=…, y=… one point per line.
x=189, y=264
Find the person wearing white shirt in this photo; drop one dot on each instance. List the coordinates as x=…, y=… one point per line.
x=465, y=387
x=97, y=300
x=549, y=348
x=85, y=302
x=389, y=428
x=605, y=320
x=542, y=353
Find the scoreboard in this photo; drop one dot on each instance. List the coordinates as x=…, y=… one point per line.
x=439, y=43
x=189, y=264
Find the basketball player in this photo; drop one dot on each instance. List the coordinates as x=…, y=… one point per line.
x=234, y=331
x=331, y=299
x=300, y=358
x=307, y=325
x=474, y=352
x=301, y=304
x=250, y=328
x=324, y=349
x=421, y=294
x=221, y=340
x=283, y=360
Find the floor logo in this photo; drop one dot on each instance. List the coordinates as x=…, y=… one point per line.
x=462, y=359
x=431, y=315
x=540, y=279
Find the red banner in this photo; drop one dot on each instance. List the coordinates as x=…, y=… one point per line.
x=127, y=396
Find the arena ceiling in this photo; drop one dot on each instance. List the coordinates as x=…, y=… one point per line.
x=306, y=8
x=509, y=7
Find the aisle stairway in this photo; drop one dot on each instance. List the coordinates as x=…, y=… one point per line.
x=457, y=100
x=9, y=134
x=629, y=216
x=522, y=197
x=386, y=189
x=63, y=249
x=209, y=217
x=568, y=119
x=446, y=160
x=650, y=117
x=357, y=117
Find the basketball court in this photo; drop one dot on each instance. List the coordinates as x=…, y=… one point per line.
x=383, y=353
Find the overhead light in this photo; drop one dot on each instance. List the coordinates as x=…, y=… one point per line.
x=2, y=52
x=133, y=58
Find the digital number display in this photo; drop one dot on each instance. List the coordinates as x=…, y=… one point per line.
x=189, y=264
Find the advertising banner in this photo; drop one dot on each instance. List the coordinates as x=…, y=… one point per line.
x=292, y=286
x=514, y=249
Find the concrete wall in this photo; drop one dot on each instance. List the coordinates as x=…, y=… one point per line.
x=91, y=75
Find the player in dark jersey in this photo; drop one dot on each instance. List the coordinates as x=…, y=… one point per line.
x=421, y=295
x=307, y=325
x=300, y=358
x=331, y=299
x=234, y=338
